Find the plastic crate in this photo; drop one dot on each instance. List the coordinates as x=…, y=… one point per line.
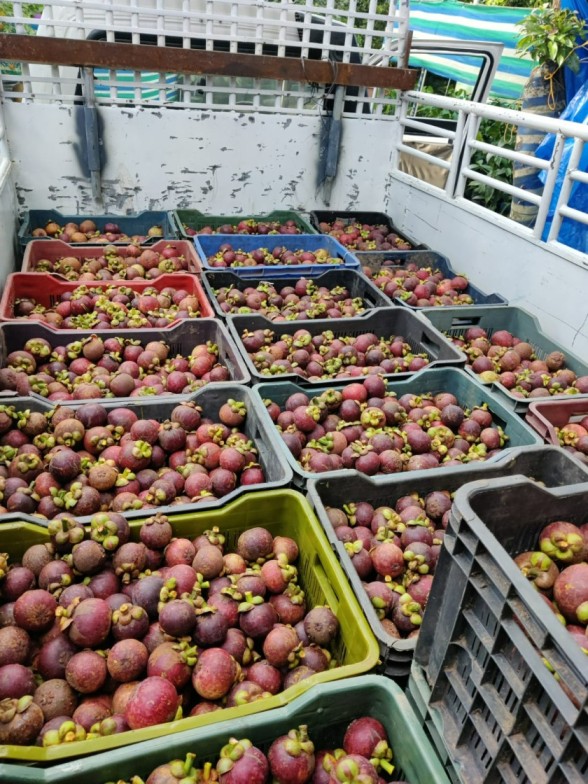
x=282, y=512
x=46, y=290
x=208, y=244
x=468, y=392
x=455, y=321
x=327, y=710
x=487, y=637
x=351, y=216
x=545, y=416
x=419, y=693
x=384, y=322
x=356, y=283
x=424, y=258
x=181, y=339
x=553, y=467
x=210, y=398
x=37, y=250
x=194, y=219
x=135, y=224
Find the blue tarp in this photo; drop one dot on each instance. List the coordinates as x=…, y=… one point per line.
x=571, y=232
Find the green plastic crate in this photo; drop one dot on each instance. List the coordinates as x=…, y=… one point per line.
x=197, y=220
x=283, y=512
x=326, y=709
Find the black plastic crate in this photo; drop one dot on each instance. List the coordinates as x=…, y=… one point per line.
x=181, y=339
x=256, y=427
x=383, y=322
x=351, y=216
x=489, y=647
x=356, y=283
x=548, y=465
x=377, y=260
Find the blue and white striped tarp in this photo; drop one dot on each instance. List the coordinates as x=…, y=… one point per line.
x=448, y=19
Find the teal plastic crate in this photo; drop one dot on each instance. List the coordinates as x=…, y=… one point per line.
x=137, y=223
x=327, y=709
x=468, y=391
x=455, y=321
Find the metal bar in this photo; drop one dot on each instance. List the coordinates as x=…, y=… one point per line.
x=38, y=49
x=455, y=161
x=579, y=176
x=431, y=130
x=549, y=186
x=510, y=116
x=566, y=189
x=505, y=187
x=462, y=156
x=512, y=155
x=423, y=156
x=569, y=212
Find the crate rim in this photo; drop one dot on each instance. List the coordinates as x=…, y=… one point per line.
x=63, y=752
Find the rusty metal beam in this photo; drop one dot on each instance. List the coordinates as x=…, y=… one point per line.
x=57, y=51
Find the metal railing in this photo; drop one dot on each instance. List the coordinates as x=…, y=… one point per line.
x=307, y=29
x=461, y=171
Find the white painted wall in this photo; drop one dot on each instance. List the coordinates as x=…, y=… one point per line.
x=552, y=287
x=218, y=162
x=8, y=226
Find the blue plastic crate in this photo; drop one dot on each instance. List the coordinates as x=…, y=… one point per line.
x=138, y=223
x=208, y=245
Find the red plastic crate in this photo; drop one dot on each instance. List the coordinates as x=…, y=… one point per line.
x=37, y=250
x=546, y=416
x=46, y=289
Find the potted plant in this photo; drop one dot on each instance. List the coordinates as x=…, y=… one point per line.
x=551, y=37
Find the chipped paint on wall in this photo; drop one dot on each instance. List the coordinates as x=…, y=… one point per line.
x=217, y=162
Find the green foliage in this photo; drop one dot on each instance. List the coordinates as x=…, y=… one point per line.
x=550, y=36
x=28, y=9
x=500, y=135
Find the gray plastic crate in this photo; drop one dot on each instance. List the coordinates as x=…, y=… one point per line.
x=487, y=638
x=522, y=324
x=356, y=283
x=181, y=339
x=210, y=398
x=468, y=391
x=384, y=322
x=548, y=465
